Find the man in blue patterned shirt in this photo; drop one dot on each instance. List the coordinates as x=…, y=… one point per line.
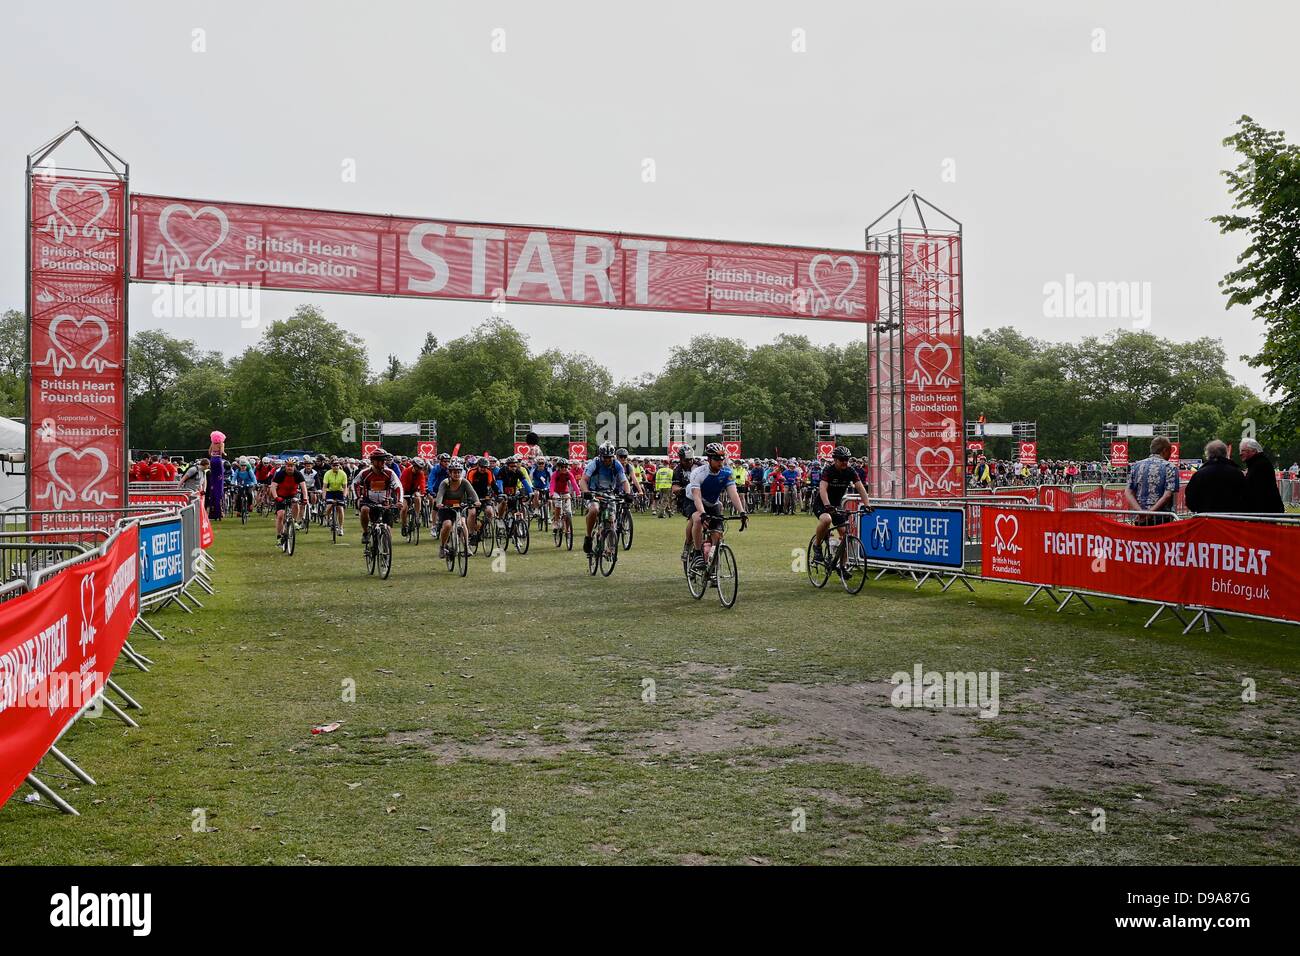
x=1153, y=484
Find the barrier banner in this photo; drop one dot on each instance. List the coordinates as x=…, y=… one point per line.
x=1217, y=563
x=311, y=250
x=932, y=365
x=57, y=647
x=76, y=381
x=931, y=537
x=1099, y=497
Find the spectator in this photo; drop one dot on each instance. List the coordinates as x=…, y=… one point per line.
x=196, y=476
x=1262, y=496
x=1153, y=484
x=1218, y=487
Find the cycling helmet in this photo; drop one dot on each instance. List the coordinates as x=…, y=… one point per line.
x=622, y=453
x=444, y=457
x=685, y=451
x=471, y=461
x=841, y=453
x=378, y=455
x=513, y=460
x=606, y=450
x=561, y=463
x=455, y=465
x=715, y=448
x=417, y=462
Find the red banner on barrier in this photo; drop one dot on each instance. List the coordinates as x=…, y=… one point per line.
x=76, y=435
x=57, y=647
x=313, y=250
x=1217, y=563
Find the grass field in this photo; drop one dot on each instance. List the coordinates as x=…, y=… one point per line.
x=520, y=696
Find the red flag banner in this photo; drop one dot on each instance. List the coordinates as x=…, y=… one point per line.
x=311, y=250
x=57, y=647
x=1029, y=453
x=76, y=438
x=1217, y=563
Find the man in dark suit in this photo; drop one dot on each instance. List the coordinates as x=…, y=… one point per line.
x=1262, y=496
x=1218, y=487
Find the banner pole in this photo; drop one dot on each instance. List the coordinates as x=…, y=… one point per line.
x=63, y=758
x=117, y=711
x=130, y=701
x=50, y=795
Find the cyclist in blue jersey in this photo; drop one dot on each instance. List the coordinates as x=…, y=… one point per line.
x=602, y=474
x=704, y=491
x=437, y=472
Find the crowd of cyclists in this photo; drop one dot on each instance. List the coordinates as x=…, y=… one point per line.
x=478, y=504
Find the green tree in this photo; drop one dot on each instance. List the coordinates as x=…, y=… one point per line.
x=1265, y=190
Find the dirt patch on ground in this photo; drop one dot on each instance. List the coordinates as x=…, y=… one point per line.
x=1044, y=739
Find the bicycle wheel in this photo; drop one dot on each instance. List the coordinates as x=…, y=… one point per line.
x=415, y=529
x=726, y=576
x=609, y=555
x=594, y=559
x=334, y=527
x=696, y=575
x=521, y=536
x=558, y=534
x=853, y=566
x=819, y=572
x=626, y=530
x=369, y=548
x=384, y=556
x=568, y=533
x=460, y=540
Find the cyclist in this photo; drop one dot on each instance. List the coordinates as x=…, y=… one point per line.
x=633, y=472
x=245, y=481
x=704, y=492
x=513, y=482
x=453, y=492
x=414, y=480
x=603, y=473
x=437, y=472
x=484, y=482
x=376, y=488
x=540, y=477
x=312, y=479
x=836, y=479
x=335, y=482
x=681, y=478
x=561, y=490
x=289, y=488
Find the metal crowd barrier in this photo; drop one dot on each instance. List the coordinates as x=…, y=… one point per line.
x=44, y=559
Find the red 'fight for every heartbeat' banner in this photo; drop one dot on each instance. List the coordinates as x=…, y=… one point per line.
x=315, y=251
x=1217, y=563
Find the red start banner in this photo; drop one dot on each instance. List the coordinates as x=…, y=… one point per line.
x=58, y=645
x=1119, y=454
x=1028, y=452
x=932, y=365
x=311, y=250
x=76, y=434
x=1217, y=563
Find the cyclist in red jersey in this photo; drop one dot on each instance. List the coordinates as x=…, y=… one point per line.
x=289, y=487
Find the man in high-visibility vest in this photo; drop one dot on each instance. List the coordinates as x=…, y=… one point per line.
x=663, y=490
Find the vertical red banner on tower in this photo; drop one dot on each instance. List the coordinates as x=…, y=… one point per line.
x=932, y=365
x=77, y=380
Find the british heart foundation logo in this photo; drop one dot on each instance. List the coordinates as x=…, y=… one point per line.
x=77, y=209
x=71, y=337
x=182, y=231
x=833, y=280
x=75, y=476
x=927, y=477
x=1005, y=529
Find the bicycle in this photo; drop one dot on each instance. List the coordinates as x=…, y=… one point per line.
x=457, y=548
x=604, y=545
x=516, y=522
x=720, y=569
x=843, y=554
x=625, y=528
x=562, y=530
x=288, y=538
x=411, y=524
x=378, y=544
x=542, y=512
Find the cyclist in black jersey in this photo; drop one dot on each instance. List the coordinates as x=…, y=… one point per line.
x=837, y=479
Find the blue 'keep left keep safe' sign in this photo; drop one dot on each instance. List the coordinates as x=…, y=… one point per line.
x=932, y=537
x=162, y=556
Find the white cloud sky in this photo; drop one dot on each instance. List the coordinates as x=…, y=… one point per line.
x=1100, y=165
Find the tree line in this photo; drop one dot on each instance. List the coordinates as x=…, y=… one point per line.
x=307, y=379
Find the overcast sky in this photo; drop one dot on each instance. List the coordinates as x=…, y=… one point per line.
x=1062, y=160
